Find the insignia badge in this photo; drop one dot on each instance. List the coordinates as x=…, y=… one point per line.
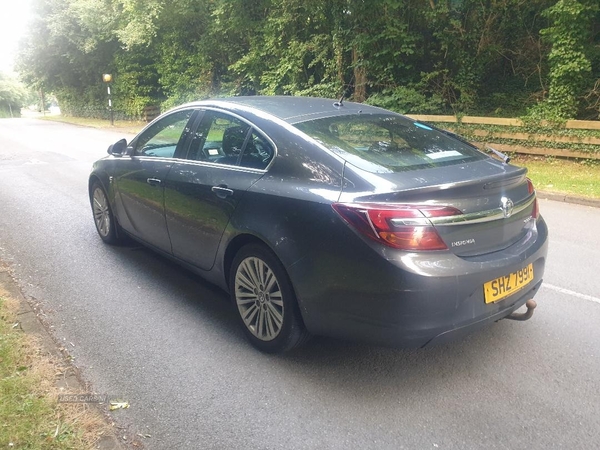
x=507, y=206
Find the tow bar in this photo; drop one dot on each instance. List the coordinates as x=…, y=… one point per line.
x=530, y=305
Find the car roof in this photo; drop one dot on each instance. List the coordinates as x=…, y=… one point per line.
x=292, y=109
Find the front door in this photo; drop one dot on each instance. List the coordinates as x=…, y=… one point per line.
x=140, y=180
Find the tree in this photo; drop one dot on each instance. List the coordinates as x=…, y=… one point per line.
x=570, y=67
x=438, y=56
x=12, y=96
x=65, y=54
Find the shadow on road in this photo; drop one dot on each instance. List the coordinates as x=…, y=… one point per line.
x=341, y=365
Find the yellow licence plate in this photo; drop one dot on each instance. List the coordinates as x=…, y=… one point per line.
x=502, y=287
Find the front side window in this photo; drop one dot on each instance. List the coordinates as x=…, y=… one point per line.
x=162, y=138
x=386, y=143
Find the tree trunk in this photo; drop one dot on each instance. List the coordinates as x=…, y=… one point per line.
x=360, y=76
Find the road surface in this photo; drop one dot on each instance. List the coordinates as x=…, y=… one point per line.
x=144, y=330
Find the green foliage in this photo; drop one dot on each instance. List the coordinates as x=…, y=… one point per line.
x=460, y=57
x=570, y=68
x=66, y=52
x=543, y=117
x=407, y=100
x=12, y=96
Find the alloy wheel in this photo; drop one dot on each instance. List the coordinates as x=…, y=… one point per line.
x=101, y=212
x=259, y=299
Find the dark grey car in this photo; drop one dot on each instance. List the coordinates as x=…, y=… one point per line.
x=321, y=218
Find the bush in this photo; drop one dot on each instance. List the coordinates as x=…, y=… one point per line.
x=407, y=100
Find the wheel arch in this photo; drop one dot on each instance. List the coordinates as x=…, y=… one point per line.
x=101, y=179
x=234, y=247
x=93, y=178
x=301, y=333
x=240, y=241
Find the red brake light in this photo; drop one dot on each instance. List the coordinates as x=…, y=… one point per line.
x=405, y=227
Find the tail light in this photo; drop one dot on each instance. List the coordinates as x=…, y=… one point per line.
x=536, y=209
x=405, y=227
x=530, y=187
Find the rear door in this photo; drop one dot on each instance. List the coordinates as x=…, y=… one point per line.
x=140, y=178
x=226, y=156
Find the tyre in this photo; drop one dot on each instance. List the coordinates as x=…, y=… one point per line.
x=265, y=300
x=104, y=219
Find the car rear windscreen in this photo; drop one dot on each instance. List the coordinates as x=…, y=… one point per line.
x=388, y=143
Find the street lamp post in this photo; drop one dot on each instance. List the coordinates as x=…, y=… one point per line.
x=107, y=78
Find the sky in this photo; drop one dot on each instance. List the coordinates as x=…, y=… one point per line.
x=14, y=16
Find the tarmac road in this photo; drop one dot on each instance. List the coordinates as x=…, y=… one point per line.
x=145, y=330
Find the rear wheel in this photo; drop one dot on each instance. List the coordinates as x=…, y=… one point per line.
x=104, y=219
x=265, y=300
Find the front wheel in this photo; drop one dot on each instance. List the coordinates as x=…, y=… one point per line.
x=105, y=222
x=265, y=300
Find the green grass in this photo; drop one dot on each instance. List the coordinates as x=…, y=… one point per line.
x=578, y=178
x=30, y=417
x=127, y=126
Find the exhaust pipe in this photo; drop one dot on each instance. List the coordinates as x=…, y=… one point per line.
x=530, y=305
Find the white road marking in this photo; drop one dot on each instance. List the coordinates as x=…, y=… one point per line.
x=573, y=293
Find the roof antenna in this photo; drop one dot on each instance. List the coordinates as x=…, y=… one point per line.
x=340, y=102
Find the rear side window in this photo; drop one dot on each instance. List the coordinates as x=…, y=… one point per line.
x=223, y=139
x=257, y=153
x=384, y=143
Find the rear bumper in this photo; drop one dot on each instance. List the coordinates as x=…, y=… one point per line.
x=458, y=333
x=414, y=333
x=370, y=300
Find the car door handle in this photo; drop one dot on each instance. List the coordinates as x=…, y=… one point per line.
x=153, y=181
x=222, y=191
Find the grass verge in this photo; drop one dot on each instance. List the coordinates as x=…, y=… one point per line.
x=572, y=177
x=127, y=126
x=30, y=415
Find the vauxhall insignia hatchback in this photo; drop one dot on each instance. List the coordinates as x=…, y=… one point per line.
x=322, y=217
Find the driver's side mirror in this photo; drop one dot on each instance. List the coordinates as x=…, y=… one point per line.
x=118, y=148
